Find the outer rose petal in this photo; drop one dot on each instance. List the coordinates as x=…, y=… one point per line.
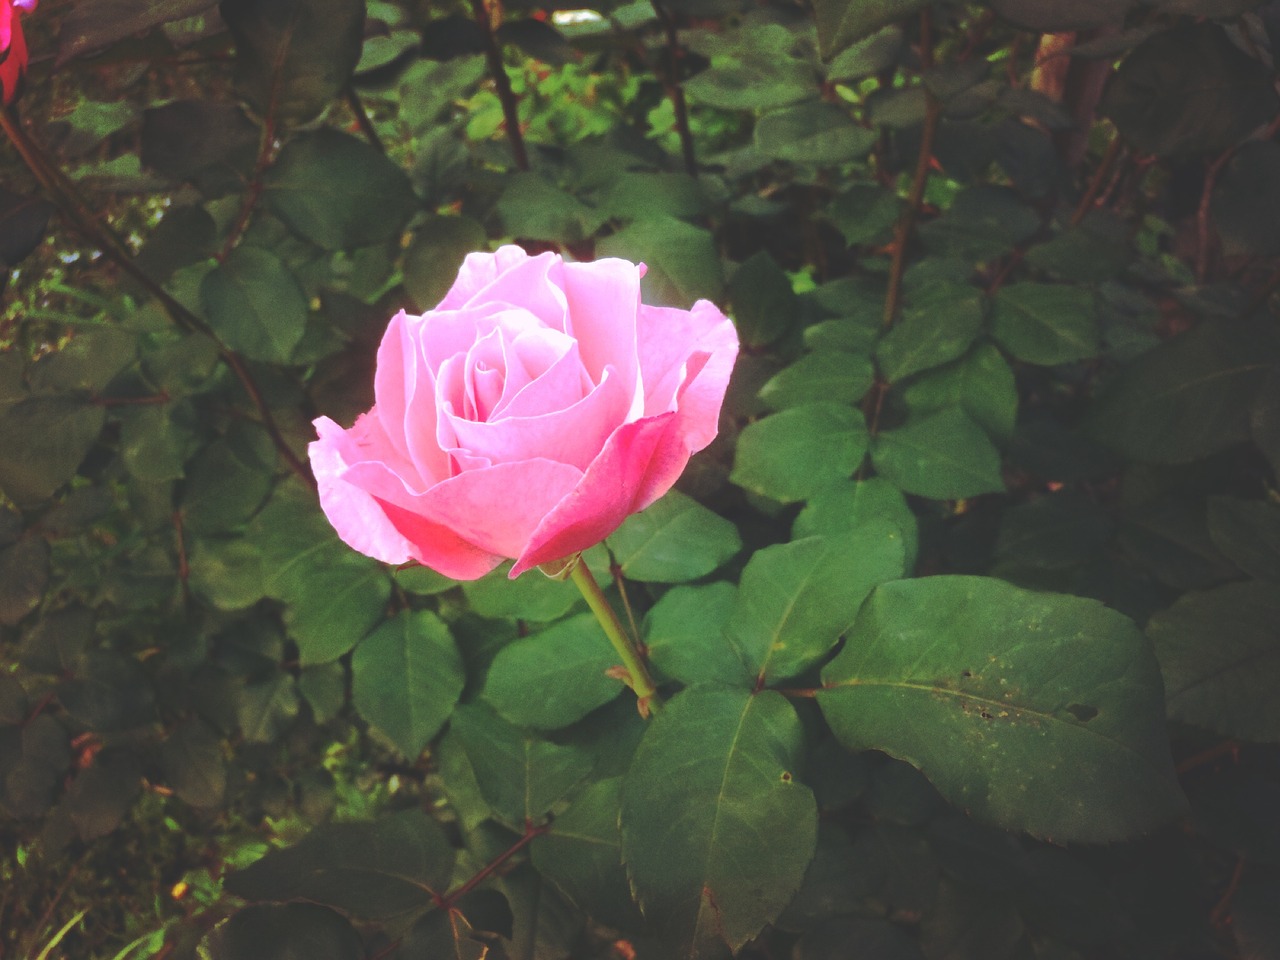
x=479, y=270
x=639, y=463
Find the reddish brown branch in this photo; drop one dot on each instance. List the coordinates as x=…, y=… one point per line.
x=674, y=90
x=1095, y=183
x=1227, y=748
x=448, y=901
x=362, y=120
x=506, y=96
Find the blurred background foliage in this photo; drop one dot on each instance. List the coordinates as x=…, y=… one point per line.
x=1005, y=275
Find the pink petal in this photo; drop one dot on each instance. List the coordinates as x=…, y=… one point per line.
x=359, y=520
x=639, y=463
x=439, y=548
x=604, y=299
x=479, y=270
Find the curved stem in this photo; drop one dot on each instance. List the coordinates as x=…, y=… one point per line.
x=502, y=83
x=638, y=678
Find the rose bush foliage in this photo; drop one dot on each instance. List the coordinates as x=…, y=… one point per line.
x=963, y=626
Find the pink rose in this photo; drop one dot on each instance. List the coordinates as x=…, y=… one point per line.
x=525, y=417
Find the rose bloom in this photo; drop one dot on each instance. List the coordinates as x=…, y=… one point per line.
x=525, y=417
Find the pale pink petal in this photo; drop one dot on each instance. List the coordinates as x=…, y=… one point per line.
x=532, y=286
x=574, y=435
x=639, y=463
x=477, y=272
x=603, y=299
x=355, y=515
x=560, y=385
x=668, y=338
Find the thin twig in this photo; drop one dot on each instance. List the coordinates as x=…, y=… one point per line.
x=906, y=222
x=674, y=90
x=266, y=153
x=448, y=901
x=1226, y=748
x=510, y=113
x=1095, y=183
x=362, y=119
x=1203, y=237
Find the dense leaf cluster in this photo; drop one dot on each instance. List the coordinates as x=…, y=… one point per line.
x=966, y=626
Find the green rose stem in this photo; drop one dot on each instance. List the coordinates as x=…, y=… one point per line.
x=637, y=674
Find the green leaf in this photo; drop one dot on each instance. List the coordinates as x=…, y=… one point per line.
x=796, y=599
x=228, y=480
x=294, y=56
x=1246, y=201
x=533, y=206
x=554, y=677
x=1189, y=91
x=816, y=133
x=764, y=304
x=102, y=793
x=332, y=594
x=537, y=598
x=36, y=757
x=847, y=506
x=1189, y=397
x=283, y=931
x=24, y=574
x=255, y=305
x=324, y=687
x=684, y=265
x=194, y=765
x=406, y=677
x=1248, y=532
x=54, y=434
x=831, y=375
x=520, y=776
x=267, y=707
x=1220, y=654
x=982, y=223
x=675, y=540
x=338, y=191
x=684, y=633
x=844, y=22
x=865, y=213
x=748, y=83
x=155, y=441
x=371, y=870
x=714, y=780
x=937, y=326
x=431, y=263
x=1046, y=323
x=581, y=854
x=981, y=384
x=944, y=455
x=1039, y=712
x=793, y=454
x=227, y=572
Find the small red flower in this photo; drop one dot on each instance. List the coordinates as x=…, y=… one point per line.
x=13, y=46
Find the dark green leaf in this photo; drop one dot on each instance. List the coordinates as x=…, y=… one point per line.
x=764, y=305
x=938, y=325
x=1059, y=16
x=1246, y=201
x=682, y=259
x=228, y=480
x=982, y=223
x=746, y=829
x=1220, y=653
x=375, y=870
x=1187, y=398
x=36, y=757
x=294, y=56
x=581, y=854
x=1248, y=532
x=796, y=599
x=815, y=133
x=255, y=304
x=980, y=384
x=533, y=206
x=1189, y=91
x=537, y=39
x=1039, y=712
x=432, y=260
x=793, y=454
x=520, y=776
x=227, y=572
x=684, y=632
x=267, y=707
x=90, y=27
x=108, y=691
x=536, y=598
x=847, y=506
x=944, y=455
x=752, y=84
x=194, y=765
x=830, y=375
x=554, y=677
x=865, y=213
x=54, y=434
x=338, y=192
x=844, y=22
x=22, y=225
x=24, y=574
x=406, y=677
x=283, y=931
x=868, y=56
x=1045, y=323
x=964, y=925
x=675, y=540
x=207, y=142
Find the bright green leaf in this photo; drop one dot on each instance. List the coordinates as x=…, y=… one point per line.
x=793, y=454
x=684, y=633
x=827, y=376
x=981, y=384
x=675, y=540
x=847, y=506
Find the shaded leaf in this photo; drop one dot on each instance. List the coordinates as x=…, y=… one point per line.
x=431, y=263
x=944, y=455
x=937, y=326
x=54, y=434
x=746, y=828
x=844, y=22
x=1039, y=712
x=684, y=634
x=815, y=133
x=255, y=304
x=283, y=931
x=1045, y=323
